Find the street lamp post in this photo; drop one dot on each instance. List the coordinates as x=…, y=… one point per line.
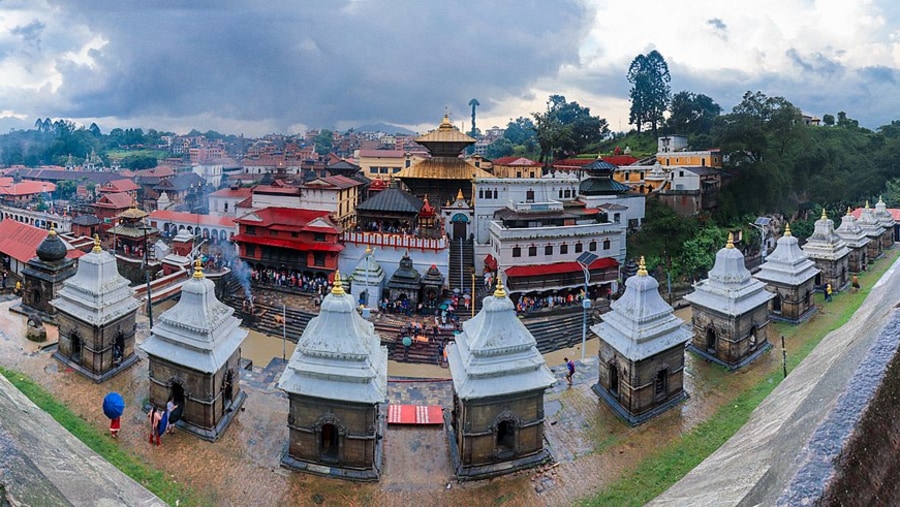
x=585, y=260
x=146, y=228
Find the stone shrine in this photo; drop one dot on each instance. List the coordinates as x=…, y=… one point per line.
x=641, y=352
x=405, y=283
x=336, y=381
x=44, y=276
x=857, y=242
x=195, y=356
x=499, y=378
x=729, y=312
x=886, y=220
x=366, y=281
x=830, y=253
x=790, y=275
x=873, y=230
x=96, y=311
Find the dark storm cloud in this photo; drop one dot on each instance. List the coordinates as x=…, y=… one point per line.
x=317, y=63
x=816, y=63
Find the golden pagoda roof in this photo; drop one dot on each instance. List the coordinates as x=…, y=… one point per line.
x=443, y=168
x=445, y=133
x=132, y=213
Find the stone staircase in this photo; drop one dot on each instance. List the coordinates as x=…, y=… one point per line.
x=265, y=318
x=462, y=262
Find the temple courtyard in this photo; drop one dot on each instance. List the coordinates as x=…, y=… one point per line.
x=592, y=448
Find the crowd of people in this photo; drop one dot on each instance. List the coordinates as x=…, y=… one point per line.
x=529, y=303
x=289, y=278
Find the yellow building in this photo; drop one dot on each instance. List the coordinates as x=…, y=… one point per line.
x=384, y=164
x=708, y=158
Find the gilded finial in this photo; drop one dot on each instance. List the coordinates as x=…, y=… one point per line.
x=97, y=248
x=824, y=216
x=867, y=204
x=848, y=211
x=459, y=195
x=338, y=289
x=53, y=229
x=642, y=267
x=198, y=268
x=787, y=229
x=500, y=292
x=368, y=249
x=730, y=243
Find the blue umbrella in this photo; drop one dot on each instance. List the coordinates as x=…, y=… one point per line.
x=113, y=405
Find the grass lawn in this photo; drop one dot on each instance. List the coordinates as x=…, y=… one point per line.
x=660, y=471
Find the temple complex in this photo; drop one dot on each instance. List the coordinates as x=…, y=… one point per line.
x=857, y=242
x=336, y=381
x=830, y=253
x=95, y=310
x=873, y=230
x=44, y=276
x=641, y=352
x=499, y=378
x=195, y=356
x=790, y=275
x=132, y=240
x=729, y=312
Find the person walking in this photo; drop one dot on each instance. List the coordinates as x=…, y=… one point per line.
x=154, y=417
x=114, y=425
x=570, y=367
x=855, y=283
x=828, y=292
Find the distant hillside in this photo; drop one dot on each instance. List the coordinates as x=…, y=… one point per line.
x=384, y=127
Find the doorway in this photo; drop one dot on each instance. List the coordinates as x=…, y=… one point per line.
x=613, y=380
x=506, y=437
x=329, y=443
x=77, y=346
x=711, y=340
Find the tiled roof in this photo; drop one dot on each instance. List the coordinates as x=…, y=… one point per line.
x=339, y=182
x=393, y=200
x=192, y=218
x=27, y=187
x=895, y=212
x=237, y=193
x=115, y=200
x=516, y=161
x=291, y=217
x=121, y=185
x=558, y=267
x=181, y=182
x=20, y=241
x=61, y=174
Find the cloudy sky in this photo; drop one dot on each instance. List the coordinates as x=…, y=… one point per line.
x=285, y=66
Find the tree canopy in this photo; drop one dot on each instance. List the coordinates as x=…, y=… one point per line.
x=650, y=90
x=566, y=128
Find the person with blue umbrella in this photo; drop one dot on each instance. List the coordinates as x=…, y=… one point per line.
x=113, y=408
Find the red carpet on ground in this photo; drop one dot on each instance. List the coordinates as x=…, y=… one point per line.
x=415, y=414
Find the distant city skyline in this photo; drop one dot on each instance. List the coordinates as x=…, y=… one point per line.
x=285, y=67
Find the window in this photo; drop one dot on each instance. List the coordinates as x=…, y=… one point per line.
x=560, y=193
x=495, y=193
x=383, y=170
x=318, y=258
x=563, y=249
x=319, y=236
x=250, y=250
x=373, y=170
x=592, y=246
x=606, y=244
x=548, y=250
x=273, y=233
x=517, y=251
x=250, y=230
x=617, y=217
x=529, y=196
x=226, y=207
x=681, y=174
x=532, y=251
x=518, y=174
x=568, y=193
x=294, y=234
x=578, y=247
x=396, y=170
x=481, y=193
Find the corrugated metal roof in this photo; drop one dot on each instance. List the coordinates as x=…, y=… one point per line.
x=392, y=199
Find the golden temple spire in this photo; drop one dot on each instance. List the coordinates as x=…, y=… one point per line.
x=198, y=268
x=867, y=204
x=52, y=229
x=97, y=248
x=368, y=249
x=824, y=216
x=787, y=229
x=445, y=123
x=642, y=267
x=848, y=211
x=460, y=196
x=730, y=243
x=500, y=292
x=338, y=288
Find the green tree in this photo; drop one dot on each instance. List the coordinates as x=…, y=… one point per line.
x=828, y=120
x=324, y=141
x=566, y=128
x=520, y=131
x=95, y=130
x=65, y=189
x=499, y=148
x=844, y=121
x=692, y=114
x=699, y=253
x=650, y=91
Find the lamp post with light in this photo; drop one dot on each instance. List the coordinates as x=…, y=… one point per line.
x=585, y=260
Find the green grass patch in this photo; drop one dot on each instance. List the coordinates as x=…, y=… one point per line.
x=661, y=470
x=99, y=442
